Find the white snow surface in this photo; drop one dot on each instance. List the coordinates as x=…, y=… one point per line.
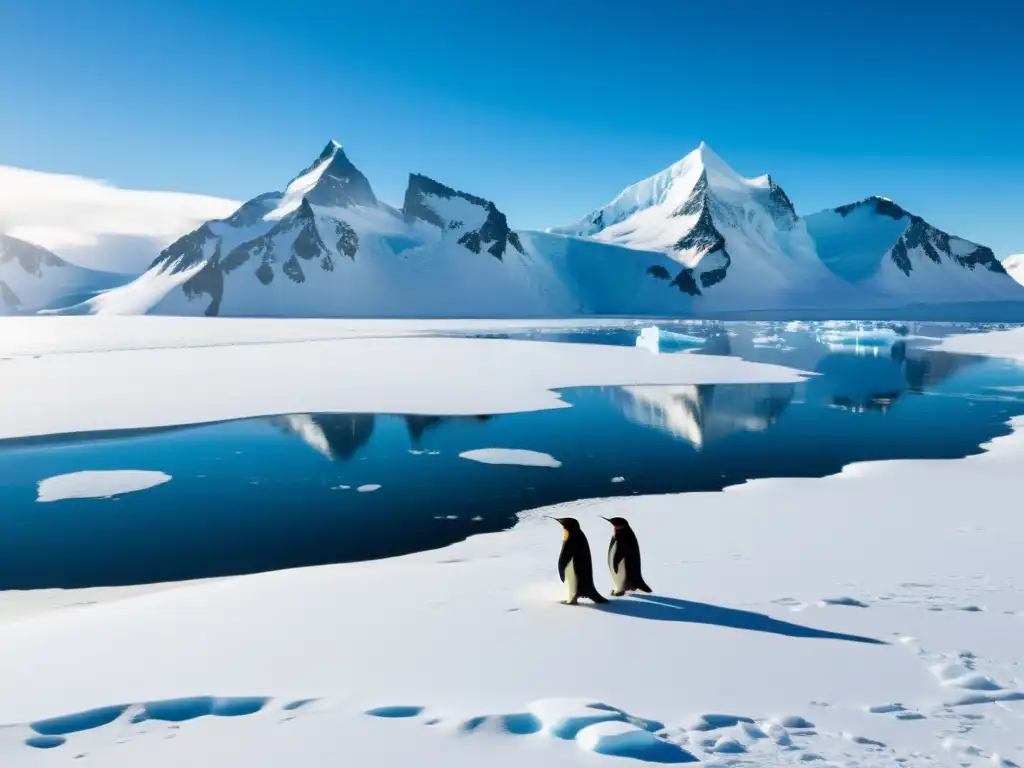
x=98, y=484
x=773, y=262
x=1009, y=343
x=859, y=246
x=33, y=278
x=149, y=372
x=1014, y=265
x=793, y=621
x=516, y=456
x=95, y=224
x=734, y=654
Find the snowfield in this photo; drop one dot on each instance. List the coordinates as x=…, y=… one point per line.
x=866, y=619
x=193, y=377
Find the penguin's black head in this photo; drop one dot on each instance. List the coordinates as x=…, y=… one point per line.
x=570, y=524
x=618, y=522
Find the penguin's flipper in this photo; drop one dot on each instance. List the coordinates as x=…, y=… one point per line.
x=563, y=562
x=616, y=557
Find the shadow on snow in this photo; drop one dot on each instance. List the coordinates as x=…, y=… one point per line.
x=659, y=608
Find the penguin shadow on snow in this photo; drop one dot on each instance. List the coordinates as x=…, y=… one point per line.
x=575, y=569
x=662, y=608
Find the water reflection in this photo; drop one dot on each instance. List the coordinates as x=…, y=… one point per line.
x=339, y=436
x=279, y=492
x=701, y=413
x=873, y=383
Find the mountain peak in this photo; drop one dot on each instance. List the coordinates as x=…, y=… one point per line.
x=331, y=181
x=478, y=222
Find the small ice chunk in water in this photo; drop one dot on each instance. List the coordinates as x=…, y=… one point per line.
x=511, y=456
x=649, y=339
x=98, y=484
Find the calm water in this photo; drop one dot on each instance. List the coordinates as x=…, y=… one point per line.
x=262, y=494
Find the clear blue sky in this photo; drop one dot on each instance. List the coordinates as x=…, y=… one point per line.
x=548, y=107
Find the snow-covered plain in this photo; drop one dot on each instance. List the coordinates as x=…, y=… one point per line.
x=98, y=484
x=168, y=371
x=866, y=619
x=1008, y=343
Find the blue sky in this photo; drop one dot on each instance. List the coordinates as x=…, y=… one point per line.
x=548, y=107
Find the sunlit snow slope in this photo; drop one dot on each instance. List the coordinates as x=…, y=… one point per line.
x=326, y=246
x=33, y=278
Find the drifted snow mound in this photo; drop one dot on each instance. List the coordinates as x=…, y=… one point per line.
x=518, y=456
x=621, y=739
x=98, y=484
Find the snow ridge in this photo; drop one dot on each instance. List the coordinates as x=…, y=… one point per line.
x=33, y=278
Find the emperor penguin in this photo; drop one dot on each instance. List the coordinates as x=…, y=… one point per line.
x=624, y=559
x=575, y=567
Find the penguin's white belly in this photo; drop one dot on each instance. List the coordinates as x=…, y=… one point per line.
x=570, y=578
x=618, y=574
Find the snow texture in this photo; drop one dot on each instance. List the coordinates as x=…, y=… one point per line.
x=754, y=648
x=696, y=239
x=33, y=278
x=99, y=484
x=517, y=456
x=201, y=371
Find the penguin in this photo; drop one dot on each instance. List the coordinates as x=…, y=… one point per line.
x=575, y=567
x=624, y=559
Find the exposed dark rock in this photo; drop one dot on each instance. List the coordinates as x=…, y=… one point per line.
x=880, y=205
x=348, y=240
x=341, y=184
x=659, y=272
x=32, y=258
x=702, y=237
x=471, y=240
x=717, y=275
x=293, y=270
x=494, y=231
x=695, y=203
x=187, y=251
x=919, y=235
x=253, y=211
x=265, y=273
x=779, y=206
x=685, y=282
x=901, y=257
x=981, y=257
x=207, y=281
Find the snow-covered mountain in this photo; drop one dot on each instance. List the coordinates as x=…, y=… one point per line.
x=696, y=239
x=327, y=246
x=894, y=255
x=1014, y=266
x=33, y=278
x=738, y=242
